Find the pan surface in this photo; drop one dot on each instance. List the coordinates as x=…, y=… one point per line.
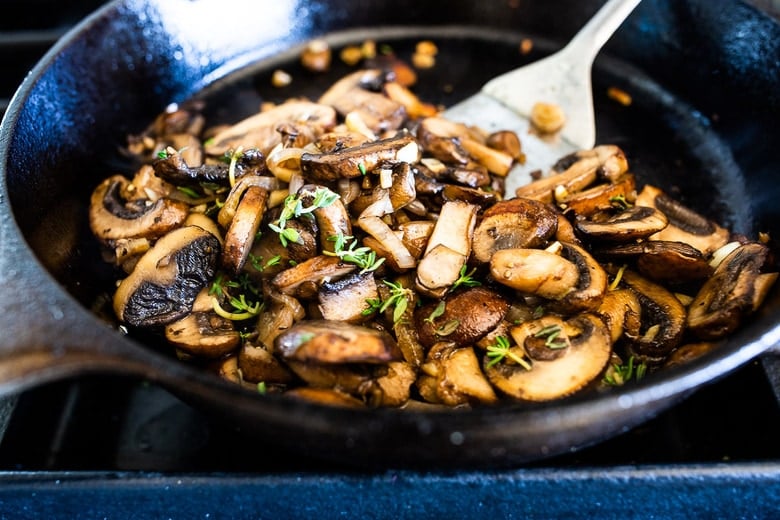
x=700, y=125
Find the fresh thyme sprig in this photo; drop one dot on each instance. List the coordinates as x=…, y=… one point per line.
x=259, y=265
x=435, y=313
x=293, y=208
x=465, y=279
x=363, y=257
x=550, y=334
x=501, y=350
x=618, y=375
x=620, y=202
x=399, y=299
x=241, y=308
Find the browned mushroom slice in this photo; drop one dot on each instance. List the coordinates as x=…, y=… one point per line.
x=307, y=276
x=227, y=369
x=465, y=317
x=334, y=141
x=478, y=197
x=735, y=290
x=166, y=280
x=327, y=341
x=662, y=261
x=455, y=143
x=507, y=142
x=386, y=384
x=600, y=198
x=685, y=225
x=259, y=131
x=580, y=361
x=448, y=248
x=257, y=365
x=415, y=235
x=451, y=375
x=324, y=396
x=511, y=224
x=688, y=352
x=332, y=220
x=203, y=333
x=243, y=229
x=348, y=163
x=575, y=172
x=663, y=318
x=592, y=283
x=621, y=312
x=111, y=218
x=378, y=112
x=535, y=271
x=345, y=299
x=635, y=223
x=175, y=169
x=471, y=175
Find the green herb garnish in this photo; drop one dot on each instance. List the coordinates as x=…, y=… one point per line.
x=363, y=257
x=502, y=350
x=465, y=279
x=618, y=375
x=550, y=334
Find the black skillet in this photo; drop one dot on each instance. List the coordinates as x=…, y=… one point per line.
x=703, y=74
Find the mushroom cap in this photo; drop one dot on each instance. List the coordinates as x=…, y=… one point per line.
x=163, y=286
x=328, y=341
x=475, y=312
x=111, y=218
x=576, y=366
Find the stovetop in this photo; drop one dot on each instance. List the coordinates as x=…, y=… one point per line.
x=108, y=447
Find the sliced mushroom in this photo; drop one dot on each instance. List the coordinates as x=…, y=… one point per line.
x=481, y=198
x=592, y=283
x=448, y=248
x=455, y=143
x=327, y=341
x=685, y=225
x=348, y=163
x=163, y=286
x=260, y=130
x=243, y=228
x=511, y=224
x=305, y=278
x=635, y=223
x=203, y=332
x=110, y=218
x=735, y=290
x=332, y=220
x=377, y=111
x=324, y=396
x=466, y=317
x=621, y=312
x=386, y=384
x=663, y=319
x=173, y=168
x=684, y=354
x=601, y=197
x=345, y=299
x=535, y=271
x=451, y=375
x=258, y=365
x=281, y=312
x=583, y=358
x=662, y=261
x=332, y=142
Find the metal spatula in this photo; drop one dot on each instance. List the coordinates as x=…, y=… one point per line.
x=563, y=78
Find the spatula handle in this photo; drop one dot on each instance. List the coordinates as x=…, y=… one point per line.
x=594, y=34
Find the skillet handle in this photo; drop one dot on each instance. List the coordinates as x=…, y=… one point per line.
x=46, y=336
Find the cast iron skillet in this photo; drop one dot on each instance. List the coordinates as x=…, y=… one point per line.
x=703, y=75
